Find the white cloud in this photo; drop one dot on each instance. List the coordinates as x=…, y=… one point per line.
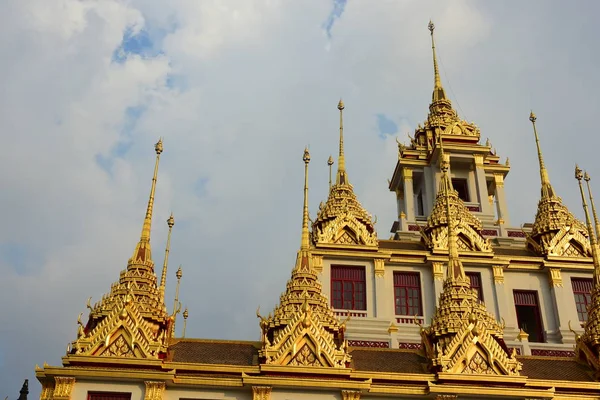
x=256, y=84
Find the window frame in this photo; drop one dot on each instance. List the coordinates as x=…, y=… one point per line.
x=108, y=395
x=582, y=294
x=454, y=181
x=479, y=289
x=359, y=296
x=407, y=296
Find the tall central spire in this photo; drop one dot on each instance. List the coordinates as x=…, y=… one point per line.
x=143, y=251
x=438, y=90
x=305, y=243
x=547, y=190
x=341, y=173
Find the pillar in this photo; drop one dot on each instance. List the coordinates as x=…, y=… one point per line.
x=562, y=299
x=503, y=219
x=438, y=280
x=154, y=390
x=409, y=197
x=379, y=287
x=503, y=303
x=481, y=184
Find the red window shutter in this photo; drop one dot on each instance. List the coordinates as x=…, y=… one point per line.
x=108, y=396
x=525, y=298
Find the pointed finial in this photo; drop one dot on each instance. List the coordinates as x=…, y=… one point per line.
x=305, y=244
x=185, y=317
x=438, y=90
x=341, y=174
x=547, y=190
x=330, y=163
x=163, y=278
x=587, y=179
x=593, y=242
x=143, y=251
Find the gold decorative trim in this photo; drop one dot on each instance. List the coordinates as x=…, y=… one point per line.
x=438, y=270
x=261, y=392
x=499, y=179
x=446, y=397
x=317, y=263
x=408, y=173
x=154, y=390
x=379, y=267
x=478, y=160
x=350, y=395
x=555, y=277
x=47, y=389
x=63, y=387
x=498, y=274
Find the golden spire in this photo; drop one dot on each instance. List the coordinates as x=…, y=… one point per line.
x=341, y=173
x=438, y=90
x=163, y=278
x=185, y=317
x=587, y=178
x=305, y=243
x=330, y=163
x=593, y=241
x=143, y=251
x=547, y=190
x=456, y=271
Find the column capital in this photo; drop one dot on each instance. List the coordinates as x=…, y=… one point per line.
x=261, y=392
x=498, y=274
x=478, y=160
x=379, y=267
x=350, y=395
x=555, y=277
x=499, y=179
x=407, y=173
x=154, y=390
x=63, y=386
x=438, y=270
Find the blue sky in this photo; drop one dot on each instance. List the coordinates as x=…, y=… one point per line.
x=237, y=91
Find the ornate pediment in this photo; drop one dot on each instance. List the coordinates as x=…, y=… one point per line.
x=343, y=220
x=556, y=232
x=304, y=341
x=468, y=227
x=464, y=338
x=123, y=332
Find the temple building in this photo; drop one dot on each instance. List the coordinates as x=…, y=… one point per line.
x=456, y=304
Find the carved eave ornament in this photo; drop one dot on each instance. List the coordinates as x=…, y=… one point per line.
x=342, y=220
x=464, y=338
x=587, y=346
x=435, y=234
x=556, y=232
x=122, y=333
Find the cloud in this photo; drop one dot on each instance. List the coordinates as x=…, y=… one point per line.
x=336, y=13
x=237, y=90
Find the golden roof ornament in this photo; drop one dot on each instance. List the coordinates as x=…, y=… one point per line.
x=330, y=163
x=587, y=346
x=463, y=338
x=303, y=330
x=343, y=220
x=163, y=278
x=131, y=320
x=435, y=234
x=555, y=231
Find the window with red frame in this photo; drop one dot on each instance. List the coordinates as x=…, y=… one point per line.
x=475, y=279
x=407, y=293
x=108, y=396
x=348, y=288
x=582, y=288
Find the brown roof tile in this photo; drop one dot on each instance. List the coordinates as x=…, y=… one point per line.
x=388, y=360
x=213, y=352
x=555, y=368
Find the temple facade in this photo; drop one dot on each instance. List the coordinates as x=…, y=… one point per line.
x=456, y=304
